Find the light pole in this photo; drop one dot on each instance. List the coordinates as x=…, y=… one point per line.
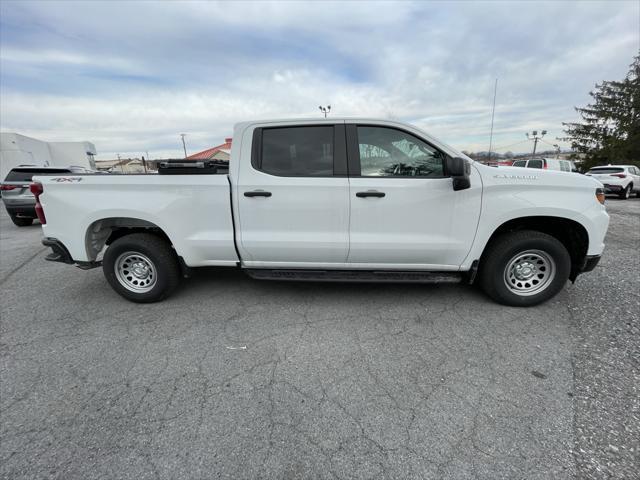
x=325, y=110
x=184, y=145
x=535, y=137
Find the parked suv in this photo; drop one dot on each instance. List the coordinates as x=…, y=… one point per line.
x=18, y=200
x=547, y=164
x=622, y=180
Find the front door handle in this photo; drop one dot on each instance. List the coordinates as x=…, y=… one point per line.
x=370, y=193
x=257, y=193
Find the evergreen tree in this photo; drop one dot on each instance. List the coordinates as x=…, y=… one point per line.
x=610, y=128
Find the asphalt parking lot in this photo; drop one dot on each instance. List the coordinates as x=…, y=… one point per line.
x=236, y=378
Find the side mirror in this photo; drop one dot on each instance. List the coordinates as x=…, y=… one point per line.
x=460, y=171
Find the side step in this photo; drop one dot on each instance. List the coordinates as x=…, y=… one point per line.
x=355, y=275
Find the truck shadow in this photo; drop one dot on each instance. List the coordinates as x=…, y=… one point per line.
x=234, y=282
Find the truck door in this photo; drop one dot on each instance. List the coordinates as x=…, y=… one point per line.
x=293, y=198
x=404, y=211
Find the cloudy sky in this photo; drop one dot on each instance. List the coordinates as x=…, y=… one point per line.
x=131, y=75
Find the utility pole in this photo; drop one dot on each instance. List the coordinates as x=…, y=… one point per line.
x=325, y=110
x=535, y=137
x=184, y=145
x=121, y=167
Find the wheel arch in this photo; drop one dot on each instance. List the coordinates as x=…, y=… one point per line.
x=572, y=234
x=106, y=230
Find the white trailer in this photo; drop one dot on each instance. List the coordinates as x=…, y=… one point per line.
x=16, y=149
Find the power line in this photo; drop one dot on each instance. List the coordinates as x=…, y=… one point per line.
x=550, y=144
x=507, y=146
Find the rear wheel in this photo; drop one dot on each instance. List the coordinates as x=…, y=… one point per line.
x=21, y=221
x=141, y=267
x=626, y=193
x=524, y=268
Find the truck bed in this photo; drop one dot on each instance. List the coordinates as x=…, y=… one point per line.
x=193, y=210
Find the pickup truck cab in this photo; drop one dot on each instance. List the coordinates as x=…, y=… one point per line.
x=333, y=199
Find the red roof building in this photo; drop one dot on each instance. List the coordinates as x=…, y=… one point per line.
x=221, y=152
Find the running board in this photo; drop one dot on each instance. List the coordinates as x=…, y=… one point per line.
x=355, y=275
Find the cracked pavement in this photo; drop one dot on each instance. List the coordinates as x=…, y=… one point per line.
x=237, y=378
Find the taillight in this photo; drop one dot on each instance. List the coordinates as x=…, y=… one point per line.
x=600, y=195
x=619, y=175
x=7, y=187
x=36, y=189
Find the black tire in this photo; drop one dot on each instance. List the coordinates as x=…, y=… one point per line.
x=156, y=256
x=21, y=221
x=544, y=283
x=626, y=193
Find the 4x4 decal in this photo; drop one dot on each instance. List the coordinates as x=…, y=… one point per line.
x=67, y=179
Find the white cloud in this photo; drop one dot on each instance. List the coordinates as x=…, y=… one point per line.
x=204, y=66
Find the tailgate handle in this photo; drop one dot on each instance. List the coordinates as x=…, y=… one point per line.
x=257, y=193
x=370, y=193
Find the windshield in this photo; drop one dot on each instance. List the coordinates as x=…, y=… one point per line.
x=606, y=170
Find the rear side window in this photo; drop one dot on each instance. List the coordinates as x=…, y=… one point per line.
x=535, y=164
x=26, y=174
x=297, y=151
x=606, y=170
x=19, y=176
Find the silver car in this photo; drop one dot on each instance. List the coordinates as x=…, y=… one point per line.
x=18, y=199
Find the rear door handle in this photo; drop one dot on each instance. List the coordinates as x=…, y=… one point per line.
x=257, y=193
x=370, y=193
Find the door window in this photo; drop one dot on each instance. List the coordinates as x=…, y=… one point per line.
x=387, y=152
x=297, y=151
x=519, y=163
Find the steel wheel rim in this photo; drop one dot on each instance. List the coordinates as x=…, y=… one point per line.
x=529, y=272
x=136, y=272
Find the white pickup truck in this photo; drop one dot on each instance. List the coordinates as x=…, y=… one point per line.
x=334, y=199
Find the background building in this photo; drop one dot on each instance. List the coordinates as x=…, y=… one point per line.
x=221, y=152
x=16, y=149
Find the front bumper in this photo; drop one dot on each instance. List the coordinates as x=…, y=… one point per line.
x=59, y=253
x=27, y=210
x=588, y=264
x=609, y=188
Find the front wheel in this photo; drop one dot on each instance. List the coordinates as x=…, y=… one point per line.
x=141, y=267
x=524, y=268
